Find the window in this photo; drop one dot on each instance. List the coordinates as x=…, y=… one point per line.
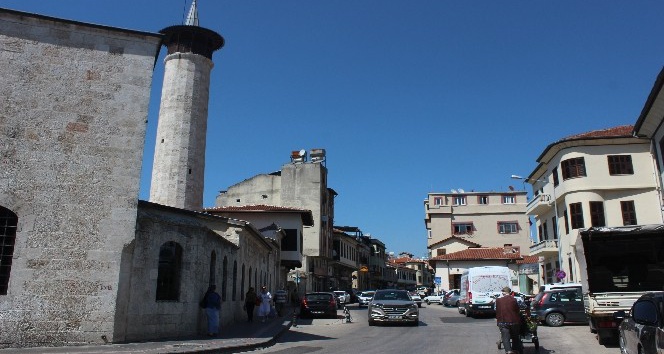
x=509, y=199
x=441, y=252
x=620, y=165
x=438, y=201
x=483, y=199
x=554, y=173
x=8, y=222
x=459, y=200
x=234, y=294
x=573, y=168
x=224, y=279
x=554, y=222
x=576, y=215
x=545, y=228
x=289, y=242
x=597, y=214
x=508, y=227
x=628, y=212
x=539, y=232
x=463, y=228
x=168, y=274
x=566, y=219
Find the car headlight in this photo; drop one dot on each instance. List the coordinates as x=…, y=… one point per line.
x=413, y=306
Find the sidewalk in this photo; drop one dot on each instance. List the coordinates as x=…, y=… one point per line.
x=234, y=338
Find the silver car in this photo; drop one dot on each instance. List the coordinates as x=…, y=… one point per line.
x=393, y=306
x=365, y=298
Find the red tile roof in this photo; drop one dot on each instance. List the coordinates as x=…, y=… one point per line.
x=528, y=260
x=256, y=207
x=478, y=253
x=615, y=132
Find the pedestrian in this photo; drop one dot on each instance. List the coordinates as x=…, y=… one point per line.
x=280, y=298
x=250, y=300
x=266, y=303
x=212, y=304
x=508, y=319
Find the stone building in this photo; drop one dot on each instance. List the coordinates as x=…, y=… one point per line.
x=83, y=261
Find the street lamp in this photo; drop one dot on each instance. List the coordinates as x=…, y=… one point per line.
x=555, y=210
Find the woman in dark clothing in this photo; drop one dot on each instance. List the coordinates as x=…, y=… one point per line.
x=249, y=303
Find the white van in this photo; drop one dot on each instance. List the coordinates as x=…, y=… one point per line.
x=556, y=286
x=480, y=286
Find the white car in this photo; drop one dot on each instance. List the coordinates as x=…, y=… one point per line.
x=417, y=298
x=365, y=298
x=433, y=299
x=343, y=296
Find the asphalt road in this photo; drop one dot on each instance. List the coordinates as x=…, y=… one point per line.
x=441, y=329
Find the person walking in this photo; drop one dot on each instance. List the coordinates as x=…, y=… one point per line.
x=212, y=304
x=508, y=319
x=250, y=300
x=266, y=303
x=280, y=298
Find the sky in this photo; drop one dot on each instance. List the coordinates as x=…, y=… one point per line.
x=406, y=97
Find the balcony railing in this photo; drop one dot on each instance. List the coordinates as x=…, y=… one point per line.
x=539, y=204
x=544, y=246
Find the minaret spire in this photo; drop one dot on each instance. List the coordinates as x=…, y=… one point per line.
x=192, y=16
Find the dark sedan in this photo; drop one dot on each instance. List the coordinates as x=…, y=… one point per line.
x=639, y=331
x=555, y=307
x=393, y=306
x=318, y=304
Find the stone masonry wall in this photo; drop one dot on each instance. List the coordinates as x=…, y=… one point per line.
x=73, y=108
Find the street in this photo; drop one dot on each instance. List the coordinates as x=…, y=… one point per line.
x=440, y=328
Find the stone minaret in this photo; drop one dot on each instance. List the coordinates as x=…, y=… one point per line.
x=179, y=159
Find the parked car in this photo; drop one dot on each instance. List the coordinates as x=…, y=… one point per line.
x=451, y=298
x=434, y=298
x=555, y=307
x=393, y=306
x=638, y=332
x=318, y=304
x=416, y=298
x=343, y=296
x=364, y=298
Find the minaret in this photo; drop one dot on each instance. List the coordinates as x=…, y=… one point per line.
x=179, y=159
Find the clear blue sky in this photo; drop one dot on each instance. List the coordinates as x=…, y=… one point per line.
x=407, y=97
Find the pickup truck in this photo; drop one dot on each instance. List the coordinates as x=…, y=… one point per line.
x=622, y=263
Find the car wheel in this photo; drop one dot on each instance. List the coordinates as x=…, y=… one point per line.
x=456, y=304
x=555, y=319
x=419, y=304
x=372, y=323
x=460, y=310
x=467, y=312
x=428, y=302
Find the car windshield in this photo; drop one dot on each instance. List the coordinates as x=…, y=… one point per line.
x=339, y=292
x=367, y=294
x=317, y=297
x=392, y=295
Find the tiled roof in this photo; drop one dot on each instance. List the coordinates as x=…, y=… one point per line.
x=528, y=260
x=256, y=207
x=458, y=239
x=478, y=253
x=615, y=132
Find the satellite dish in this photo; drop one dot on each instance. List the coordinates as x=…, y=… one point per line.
x=303, y=152
x=461, y=191
x=453, y=190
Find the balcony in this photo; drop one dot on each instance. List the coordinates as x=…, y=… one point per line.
x=544, y=248
x=539, y=204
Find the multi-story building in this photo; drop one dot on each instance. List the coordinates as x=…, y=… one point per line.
x=423, y=273
x=282, y=223
x=598, y=178
x=458, y=220
x=345, y=259
x=300, y=184
x=649, y=126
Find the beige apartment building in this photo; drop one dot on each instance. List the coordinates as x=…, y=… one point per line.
x=458, y=220
x=599, y=178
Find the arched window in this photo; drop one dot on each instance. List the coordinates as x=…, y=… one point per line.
x=8, y=222
x=168, y=277
x=213, y=267
x=234, y=294
x=242, y=285
x=224, y=279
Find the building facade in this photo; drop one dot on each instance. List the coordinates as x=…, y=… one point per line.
x=300, y=184
x=488, y=219
x=598, y=178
